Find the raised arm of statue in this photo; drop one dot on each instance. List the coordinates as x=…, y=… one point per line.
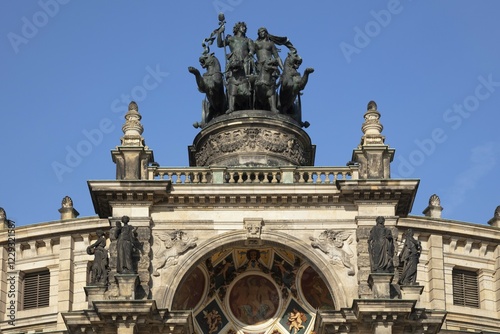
x=221, y=42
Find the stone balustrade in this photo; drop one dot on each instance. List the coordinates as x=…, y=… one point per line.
x=246, y=175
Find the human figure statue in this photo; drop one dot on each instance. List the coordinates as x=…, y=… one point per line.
x=241, y=47
x=125, y=242
x=265, y=49
x=381, y=248
x=100, y=264
x=408, y=258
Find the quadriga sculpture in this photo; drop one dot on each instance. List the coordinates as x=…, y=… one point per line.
x=212, y=84
x=265, y=86
x=292, y=83
x=239, y=87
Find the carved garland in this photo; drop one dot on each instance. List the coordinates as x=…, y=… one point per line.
x=251, y=140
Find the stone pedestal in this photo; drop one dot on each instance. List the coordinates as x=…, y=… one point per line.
x=411, y=292
x=93, y=293
x=380, y=285
x=126, y=285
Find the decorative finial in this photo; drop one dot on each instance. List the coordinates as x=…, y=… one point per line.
x=371, y=106
x=371, y=127
x=67, y=211
x=133, y=106
x=434, y=200
x=4, y=222
x=434, y=209
x=132, y=129
x=495, y=221
x=67, y=202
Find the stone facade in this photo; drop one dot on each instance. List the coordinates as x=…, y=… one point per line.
x=233, y=248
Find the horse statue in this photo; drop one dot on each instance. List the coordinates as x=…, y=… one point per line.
x=265, y=86
x=291, y=84
x=239, y=87
x=211, y=83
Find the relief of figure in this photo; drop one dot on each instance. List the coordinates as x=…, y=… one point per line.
x=214, y=320
x=167, y=248
x=100, y=265
x=292, y=83
x=408, y=258
x=125, y=246
x=295, y=320
x=212, y=84
x=336, y=246
x=381, y=248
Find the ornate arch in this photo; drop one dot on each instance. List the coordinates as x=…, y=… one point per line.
x=236, y=239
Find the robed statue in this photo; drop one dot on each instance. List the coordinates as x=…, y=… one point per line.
x=408, y=259
x=381, y=248
x=99, y=268
x=125, y=246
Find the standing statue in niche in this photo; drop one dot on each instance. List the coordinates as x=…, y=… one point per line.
x=100, y=265
x=125, y=246
x=381, y=248
x=408, y=258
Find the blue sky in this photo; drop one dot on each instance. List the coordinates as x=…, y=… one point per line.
x=69, y=69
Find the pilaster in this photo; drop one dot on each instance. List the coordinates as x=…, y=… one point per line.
x=65, y=279
x=436, y=282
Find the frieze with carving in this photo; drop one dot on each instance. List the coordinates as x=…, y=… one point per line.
x=249, y=140
x=336, y=244
x=167, y=248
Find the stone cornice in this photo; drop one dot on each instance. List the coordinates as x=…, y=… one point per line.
x=402, y=191
x=452, y=227
x=110, y=314
x=56, y=228
x=145, y=191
